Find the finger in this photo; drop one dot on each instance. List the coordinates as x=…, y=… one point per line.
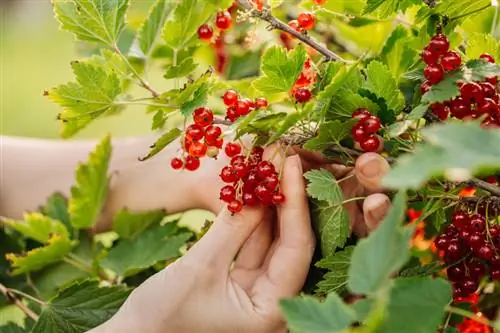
x=375, y=208
x=370, y=169
x=253, y=252
x=292, y=256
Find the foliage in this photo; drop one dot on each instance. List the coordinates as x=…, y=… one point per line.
x=397, y=275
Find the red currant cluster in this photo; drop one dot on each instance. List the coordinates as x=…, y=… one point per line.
x=301, y=89
x=223, y=21
x=470, y=245
x=439, y=60
x=239, y=107
x=250, y=180
x=200, y=139
x=364, y=132
x=305, y=21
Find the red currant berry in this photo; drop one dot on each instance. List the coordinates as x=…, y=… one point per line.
x=434, y=73
x=263, y=194
x=495, y=231
x=465, y=234
x=306, y=20
x=192, y=163
x=205, y=32
x=212, y=133
x=230, y=98
x=429, y=57
x=451, y=61
x=492, y=79
x=302, y=95
x=456, y=273
x=251, y=182
x=227, y=193
x=487, y=106
x=219, y=142
x=198, y=149
x=485, y=252
x=194, y=132
x=257, y=153
x=361, y=113
x=370, y=143
x=472, y=92
x=278, y=199
x=232, y=149
x=250, y=199
x=228, y=174
x=319, y=2
x=371, y=124
x=460, y=108
x=495, y=274
x=241, y=170
x=238, y=159
x=294, y=24
x=451, y=231
x=203, y=117
x=475, y=240
x=460, y=219
x=469, y=286
x=439, y=44
x=261, y=103
x=235, y=206
x=495, y=262
x=223, y=20
x=264, y=169
x=458, y=292
x=425, y=87
x=358, y=133
x=271, y=182
x=489, y=90
x=454, y=251
x=487, y=57
x=242, y=107
x=176, y=163
x=440, y=110
x=231, y=114
x=441, y=242
x=477, y=223
x=476, y=269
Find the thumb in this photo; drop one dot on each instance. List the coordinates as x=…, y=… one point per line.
x=370, y=169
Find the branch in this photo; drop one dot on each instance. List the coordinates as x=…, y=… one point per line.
x=17, y=302
x=495, y=190
x=266, y=15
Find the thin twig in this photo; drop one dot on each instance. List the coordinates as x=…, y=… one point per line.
x=17, y=302
x=266, y=15
x=495, y=190
x=470, y=13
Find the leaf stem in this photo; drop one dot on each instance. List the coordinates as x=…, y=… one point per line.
x=27, y=296
x=470, y=315
x=143, y=82
x=10, y=295
x=266, y=15
x=470, y=13
x=353, y=200
x=495, y=190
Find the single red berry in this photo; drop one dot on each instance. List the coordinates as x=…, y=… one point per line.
x=235, y=206
x=192, y=163
x=197, y=149
x=232, y=149
x=476, y=269
x=302, y=95
x=434, y=73
x=469, y=286
x=203, y=117
x=231, y=114
x=487, y=57
x=425, y=87
x=460, y=108
x=492, y=79
x=456, y=272
x=450, y=61
x=227, y=193
x=441, y=242
x=371, y=124
x=176, y=163
x=440, y=110
x=261, y=103
x=429, y=57
x=223, y=20
x=306, y=20
x=465, y=234
x=250, y=199
x=485, y=252
x=219, y=142
x=238, y=159
x=361, y=113
x=475, y=240
x=454, y=251
x=458, y=292
x=460, y=219
x=278, y=198
x=205, y=32
x=241, y=170
x=271, y=182
x=251, y=181
x=257, y=153
x=370, y=143
x=294, y=24
x=264, y=195
x=230, y=98
x=319, y=2
x=472, y=92
x=451, y=231
x=194, y=132
x=495, y=274
x=495, y=231
x=495, y=262
x=228, y=174
x=487, y=106
x=439, y=44
x=264, y=169
x=212, y=133
x=477, y=223
x=489, y=90
x=358, y=133
x=242, y=107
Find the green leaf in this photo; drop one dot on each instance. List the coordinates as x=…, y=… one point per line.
x=129, y=225
x=94, y=94
x=80, y=307
x=291, y=120
x=99, y=21
x=155, y=244
x=382, y=83
x=398, y=128
x=57, y=247
x=89, y=193
x=307, y=314
x=396, y=52
x=418, y=270
x=11, y=328
x=462, y=147
x=329, y=133
x=418, y=112
x=345, y=103
x=183, y=23
x=329, y=215
x=362, y=308
x=385, y=8
x=335, y=280
x=114, y=64
x=280, y=69
x=444, y=90
x=456, y=8
x=183, y=69
x=38, y=227
x=478, y=44
x=244, y=65
x=162, y=142
x=416, y=305
x=479, y=69
x=199, y=99
x=56, y=207
x=153, y=25
x=381, y=254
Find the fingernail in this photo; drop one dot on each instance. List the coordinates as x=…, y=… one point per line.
x=371, y=168
x=379, y=213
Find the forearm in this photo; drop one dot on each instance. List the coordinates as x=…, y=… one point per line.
x=32, y=169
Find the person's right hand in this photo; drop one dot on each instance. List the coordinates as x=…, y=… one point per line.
x=233, y=278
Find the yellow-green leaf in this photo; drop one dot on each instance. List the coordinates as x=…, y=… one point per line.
x=38, y=227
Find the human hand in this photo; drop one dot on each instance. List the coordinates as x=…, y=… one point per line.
x=232, y=279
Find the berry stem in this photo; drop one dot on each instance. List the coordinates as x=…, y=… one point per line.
x=353, y=200
x=266, y=15
x=10, y=295
x=470, y=315
x=495, y=190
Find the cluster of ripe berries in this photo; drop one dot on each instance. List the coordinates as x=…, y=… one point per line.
x=305, y=21
x=223, y=21
x=476, y=99
x=251, y=181
x=364, y=132
x=301, y=88
x=471, y=245
x=200, y=139
x=239, y=107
